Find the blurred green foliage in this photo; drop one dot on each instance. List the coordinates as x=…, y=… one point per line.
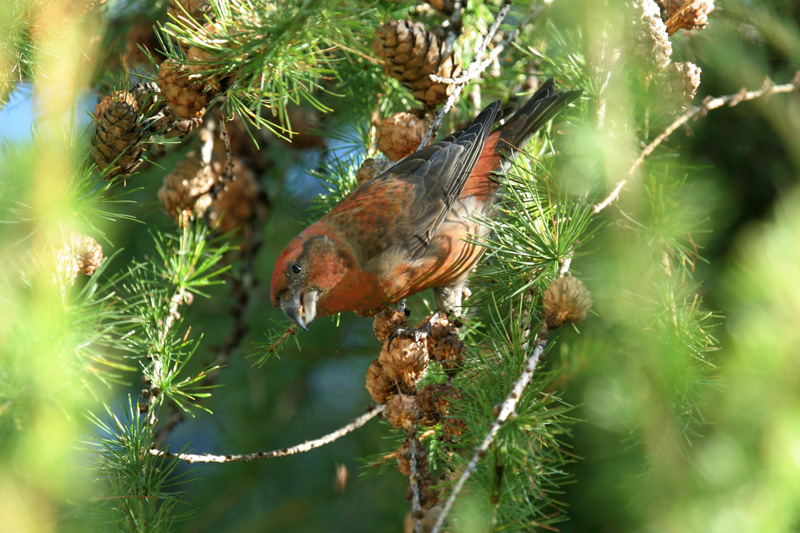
x=684, y=379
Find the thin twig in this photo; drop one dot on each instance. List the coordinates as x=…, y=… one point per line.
x=223, y=131
x=157, y=364
x=413, y=480
x=708, y=104
x=241, y=285
x=473, y=70
x=299, y=448
x=506, y=410
x=453, y=25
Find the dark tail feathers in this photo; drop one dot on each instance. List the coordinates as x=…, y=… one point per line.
x=542, y=106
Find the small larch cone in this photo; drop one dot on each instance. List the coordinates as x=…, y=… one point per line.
x=157, y=117
x=88, y=254
x=403, y=455
x=566, y=301
x=198, y=62
x=147, y=98
x=387, y=321
x=187, y=189
x=410, y=54
x=239, y=202
x=402, y=411
x=185, y=92
x=369, y=169
x=428, y=493
x=400, y=135
x=691, y=78
x=684, y=82
x=685, y=14
x=116, y=145
x=404, y=359
x=452, y=428
x=379, y=386
x=434, y=401
x=80, y=255
x=439, y=328
x=428, y=521
x=449, y=351
x=174, y=126
x=651, y=43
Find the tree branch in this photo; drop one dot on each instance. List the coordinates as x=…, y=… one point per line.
x=506, y=410
x=299, y=448
x=708, y=104
x=473, y=71
x=413, y=480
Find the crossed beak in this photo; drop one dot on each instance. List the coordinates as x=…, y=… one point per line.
x=300, y=308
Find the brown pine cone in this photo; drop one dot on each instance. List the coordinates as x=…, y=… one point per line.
x=200, y=62
x=185, y=93
x=566, y=300
x=438, y=329
x=403, y=455
x=239, y=202
x=404, y=360
x=379, y=386
x=157, y=118
x=652, y=45
x=449, y=350
x=685, y=14
x=116, y=145
x=80, y=255
x=369, y=169
x=88, y=254
x=147, y=99
x=402, y=411
x=429, y=494
x=410, y=53
x=387, y=321
x=684, y=80
x=434, y=401
x=452, y=428
x=400, y=134
x=187, y=189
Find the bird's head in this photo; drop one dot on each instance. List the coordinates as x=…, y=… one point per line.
x=306, y=272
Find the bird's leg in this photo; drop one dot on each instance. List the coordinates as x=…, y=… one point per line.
x=448, y=299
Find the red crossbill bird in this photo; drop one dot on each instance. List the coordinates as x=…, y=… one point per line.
x=411, y=228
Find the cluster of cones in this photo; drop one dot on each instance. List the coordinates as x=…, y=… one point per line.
x=202, y=186
x=411, y=53
x=656, y=21
x=173, y=107
x=393, y=379
x=216, y=183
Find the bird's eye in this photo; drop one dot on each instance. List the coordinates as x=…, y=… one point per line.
x=296, y=268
